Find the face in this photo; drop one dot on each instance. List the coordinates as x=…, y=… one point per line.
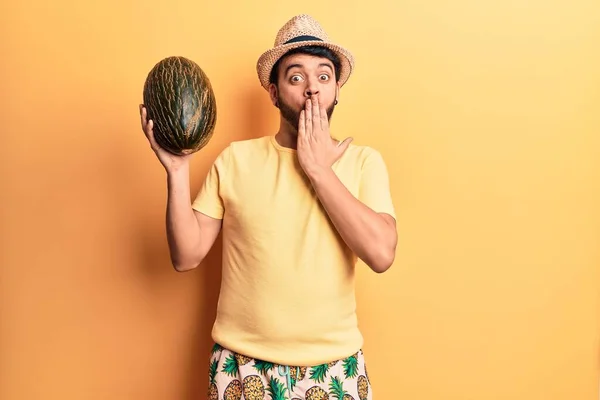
x=300, y=77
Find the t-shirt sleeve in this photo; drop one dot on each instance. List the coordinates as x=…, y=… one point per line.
x=374, y=189
x=209, y=200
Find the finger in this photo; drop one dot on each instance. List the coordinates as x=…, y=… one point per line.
x=324, y=120
x=308, y=118
x=143, y=117
x=316, y=115
x=343, y=146
x=150, y=129
x=301, y=126
x=150, y=134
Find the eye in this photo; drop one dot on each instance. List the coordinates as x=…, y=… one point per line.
x=296, y=78
x=324, y=77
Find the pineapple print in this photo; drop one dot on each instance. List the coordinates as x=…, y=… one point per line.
x=233, y=390
x=336, y=390
x=336, y=380
x=276, y=389
x=253, y=388
x=242, y=360
x=216, y=348
x=263, y=367
x=350, y=365
x=316, y=393
x=319, y=373
x=297, y=374
x=298, y=371
x=230, y=367
x=213, y=392
x=362, y=386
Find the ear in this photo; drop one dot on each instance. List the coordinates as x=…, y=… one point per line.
x=337, y=91
x=273, y=94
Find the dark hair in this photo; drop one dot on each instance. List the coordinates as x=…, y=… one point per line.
x=318, y=51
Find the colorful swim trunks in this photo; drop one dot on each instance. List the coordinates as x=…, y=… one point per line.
x=233, y=376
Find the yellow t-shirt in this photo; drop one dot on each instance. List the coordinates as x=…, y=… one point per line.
x=287, y=290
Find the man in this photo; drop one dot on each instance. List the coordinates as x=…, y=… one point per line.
x=297, y=208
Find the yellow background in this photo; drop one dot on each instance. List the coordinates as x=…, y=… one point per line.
x=486, y=112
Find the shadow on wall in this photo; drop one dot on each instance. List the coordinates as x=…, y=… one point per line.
x=251, y=123
x=194, y=325
x=210, y=277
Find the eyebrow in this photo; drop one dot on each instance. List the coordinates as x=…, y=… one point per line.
x=300, y=66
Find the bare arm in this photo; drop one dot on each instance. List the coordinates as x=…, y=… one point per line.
x=371, y=236
x=190, y=234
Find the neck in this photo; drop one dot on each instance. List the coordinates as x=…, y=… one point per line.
x=287, y=136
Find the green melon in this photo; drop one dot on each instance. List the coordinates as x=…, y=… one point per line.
x=181, y=103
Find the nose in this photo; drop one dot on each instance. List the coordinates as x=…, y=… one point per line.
x=311, y=92
x=312, y=88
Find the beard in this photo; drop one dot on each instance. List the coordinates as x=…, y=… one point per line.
x=293, y=117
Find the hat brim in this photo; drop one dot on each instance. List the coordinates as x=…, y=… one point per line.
x=269, y=58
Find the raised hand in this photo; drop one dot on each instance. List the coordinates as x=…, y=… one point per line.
x=317, y=151
x=170, y=162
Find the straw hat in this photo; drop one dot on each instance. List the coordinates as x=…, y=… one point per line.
x=301, y=30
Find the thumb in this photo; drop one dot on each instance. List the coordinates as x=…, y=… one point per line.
x=342, y=146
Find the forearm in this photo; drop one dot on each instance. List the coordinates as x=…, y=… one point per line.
x=368, y=234
x=183, y=230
